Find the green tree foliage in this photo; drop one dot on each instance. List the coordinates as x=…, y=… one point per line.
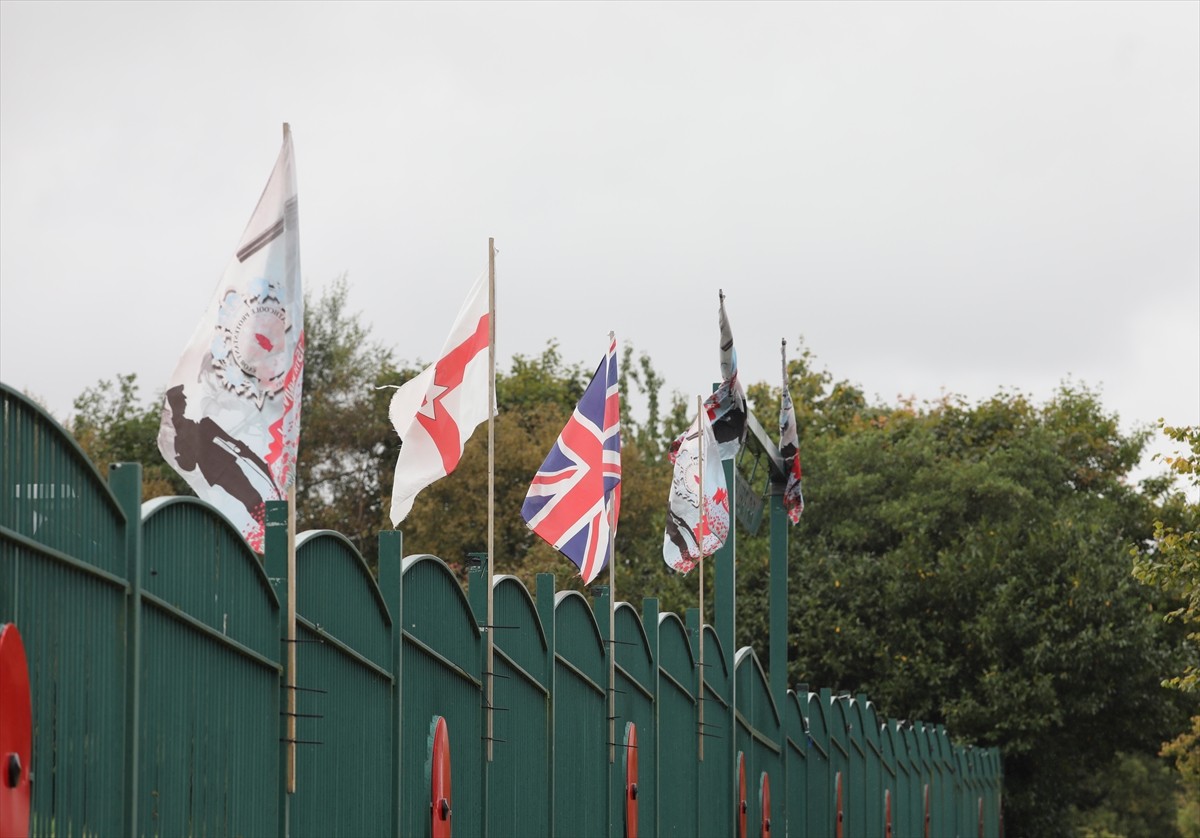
x=1136, y=796
x=967, y=564
x=348, y=447
x=1185, y=751
x=1172, y=561
x=111, y=425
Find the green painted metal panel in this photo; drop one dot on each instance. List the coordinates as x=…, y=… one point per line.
x=634, y=702
x=873, y=778
x=839, y=760
x=677, y=767
x=209, y=679
x=580, y=720
x=63, y=582
x=441, y=677
x=517, y=774
x=343, y=784
x=795, y=799
x=855, y=791
x=820, y=780
x=759, y=735
x=717, y=795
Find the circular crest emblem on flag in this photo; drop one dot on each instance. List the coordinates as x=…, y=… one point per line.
x=251, y=350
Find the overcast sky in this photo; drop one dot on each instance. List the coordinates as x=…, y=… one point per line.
x=939, y=197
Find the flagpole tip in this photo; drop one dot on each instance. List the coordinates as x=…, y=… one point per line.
x=287, y=129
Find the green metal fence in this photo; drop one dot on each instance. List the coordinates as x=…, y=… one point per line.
x=158, y=655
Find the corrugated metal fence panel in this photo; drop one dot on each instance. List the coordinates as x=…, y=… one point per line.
x=209, y=678
x=580, y=720
x=874, y=772
x=63, y=580
x=520, y=764
x=717, y=777
x=634, y=703
x=760, y=737
x=820, y=765
x=678, y=771
x=796, y=769
x=441, y=677
x=343, y=784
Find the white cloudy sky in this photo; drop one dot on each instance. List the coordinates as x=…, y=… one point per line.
x=940, y=197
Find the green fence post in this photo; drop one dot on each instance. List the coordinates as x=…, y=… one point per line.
x=125, y=480
x=391, y=582
x=725, y=607
x=276, y=559
x=545, y=609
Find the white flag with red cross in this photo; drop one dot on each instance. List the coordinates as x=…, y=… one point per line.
x=436, y=412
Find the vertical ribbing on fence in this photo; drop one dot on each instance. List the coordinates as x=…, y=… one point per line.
x=391, y=583
x=125, y=480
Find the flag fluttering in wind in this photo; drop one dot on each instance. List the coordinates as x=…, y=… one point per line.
x=436, y=412
x=726, y=407
x=789, y=448
x=691, y=534
x=575, y=498
x=231, y=414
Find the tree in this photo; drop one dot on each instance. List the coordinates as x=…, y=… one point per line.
x=1172, y=561
x=966, y=564
x=111, y=426
x=348, y=447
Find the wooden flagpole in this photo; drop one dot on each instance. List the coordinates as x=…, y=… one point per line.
x=700, y=547
x=291, y=609
x=491, y=488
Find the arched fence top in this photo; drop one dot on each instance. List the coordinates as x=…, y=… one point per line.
x=795, y=724
x=515, y=606
x=870, y=721
x=675, y=652
x=52, y=493
x=436, y=611
x=839, y=723
x=176, y=507
x=349, y=552
x=751, y=677
x=196, y=566
x=577, y=635
x=63, y=439
x=855, y=723
x=712, y=646
x=633, y=652
x=338, y=596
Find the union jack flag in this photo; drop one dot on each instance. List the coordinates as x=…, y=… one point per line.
x=575, y=498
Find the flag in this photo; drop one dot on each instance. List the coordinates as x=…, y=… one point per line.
x=690, y=534
x=726, y=407
x=231, y=414
x=436, y=412
x=575, y=498
x=789, y=450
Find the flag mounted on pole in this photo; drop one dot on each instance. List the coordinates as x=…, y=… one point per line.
x=436, y=412
x=726, y=407
x=231, y=415
x=575, y=498
x=789, y=448
x=693, y=533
